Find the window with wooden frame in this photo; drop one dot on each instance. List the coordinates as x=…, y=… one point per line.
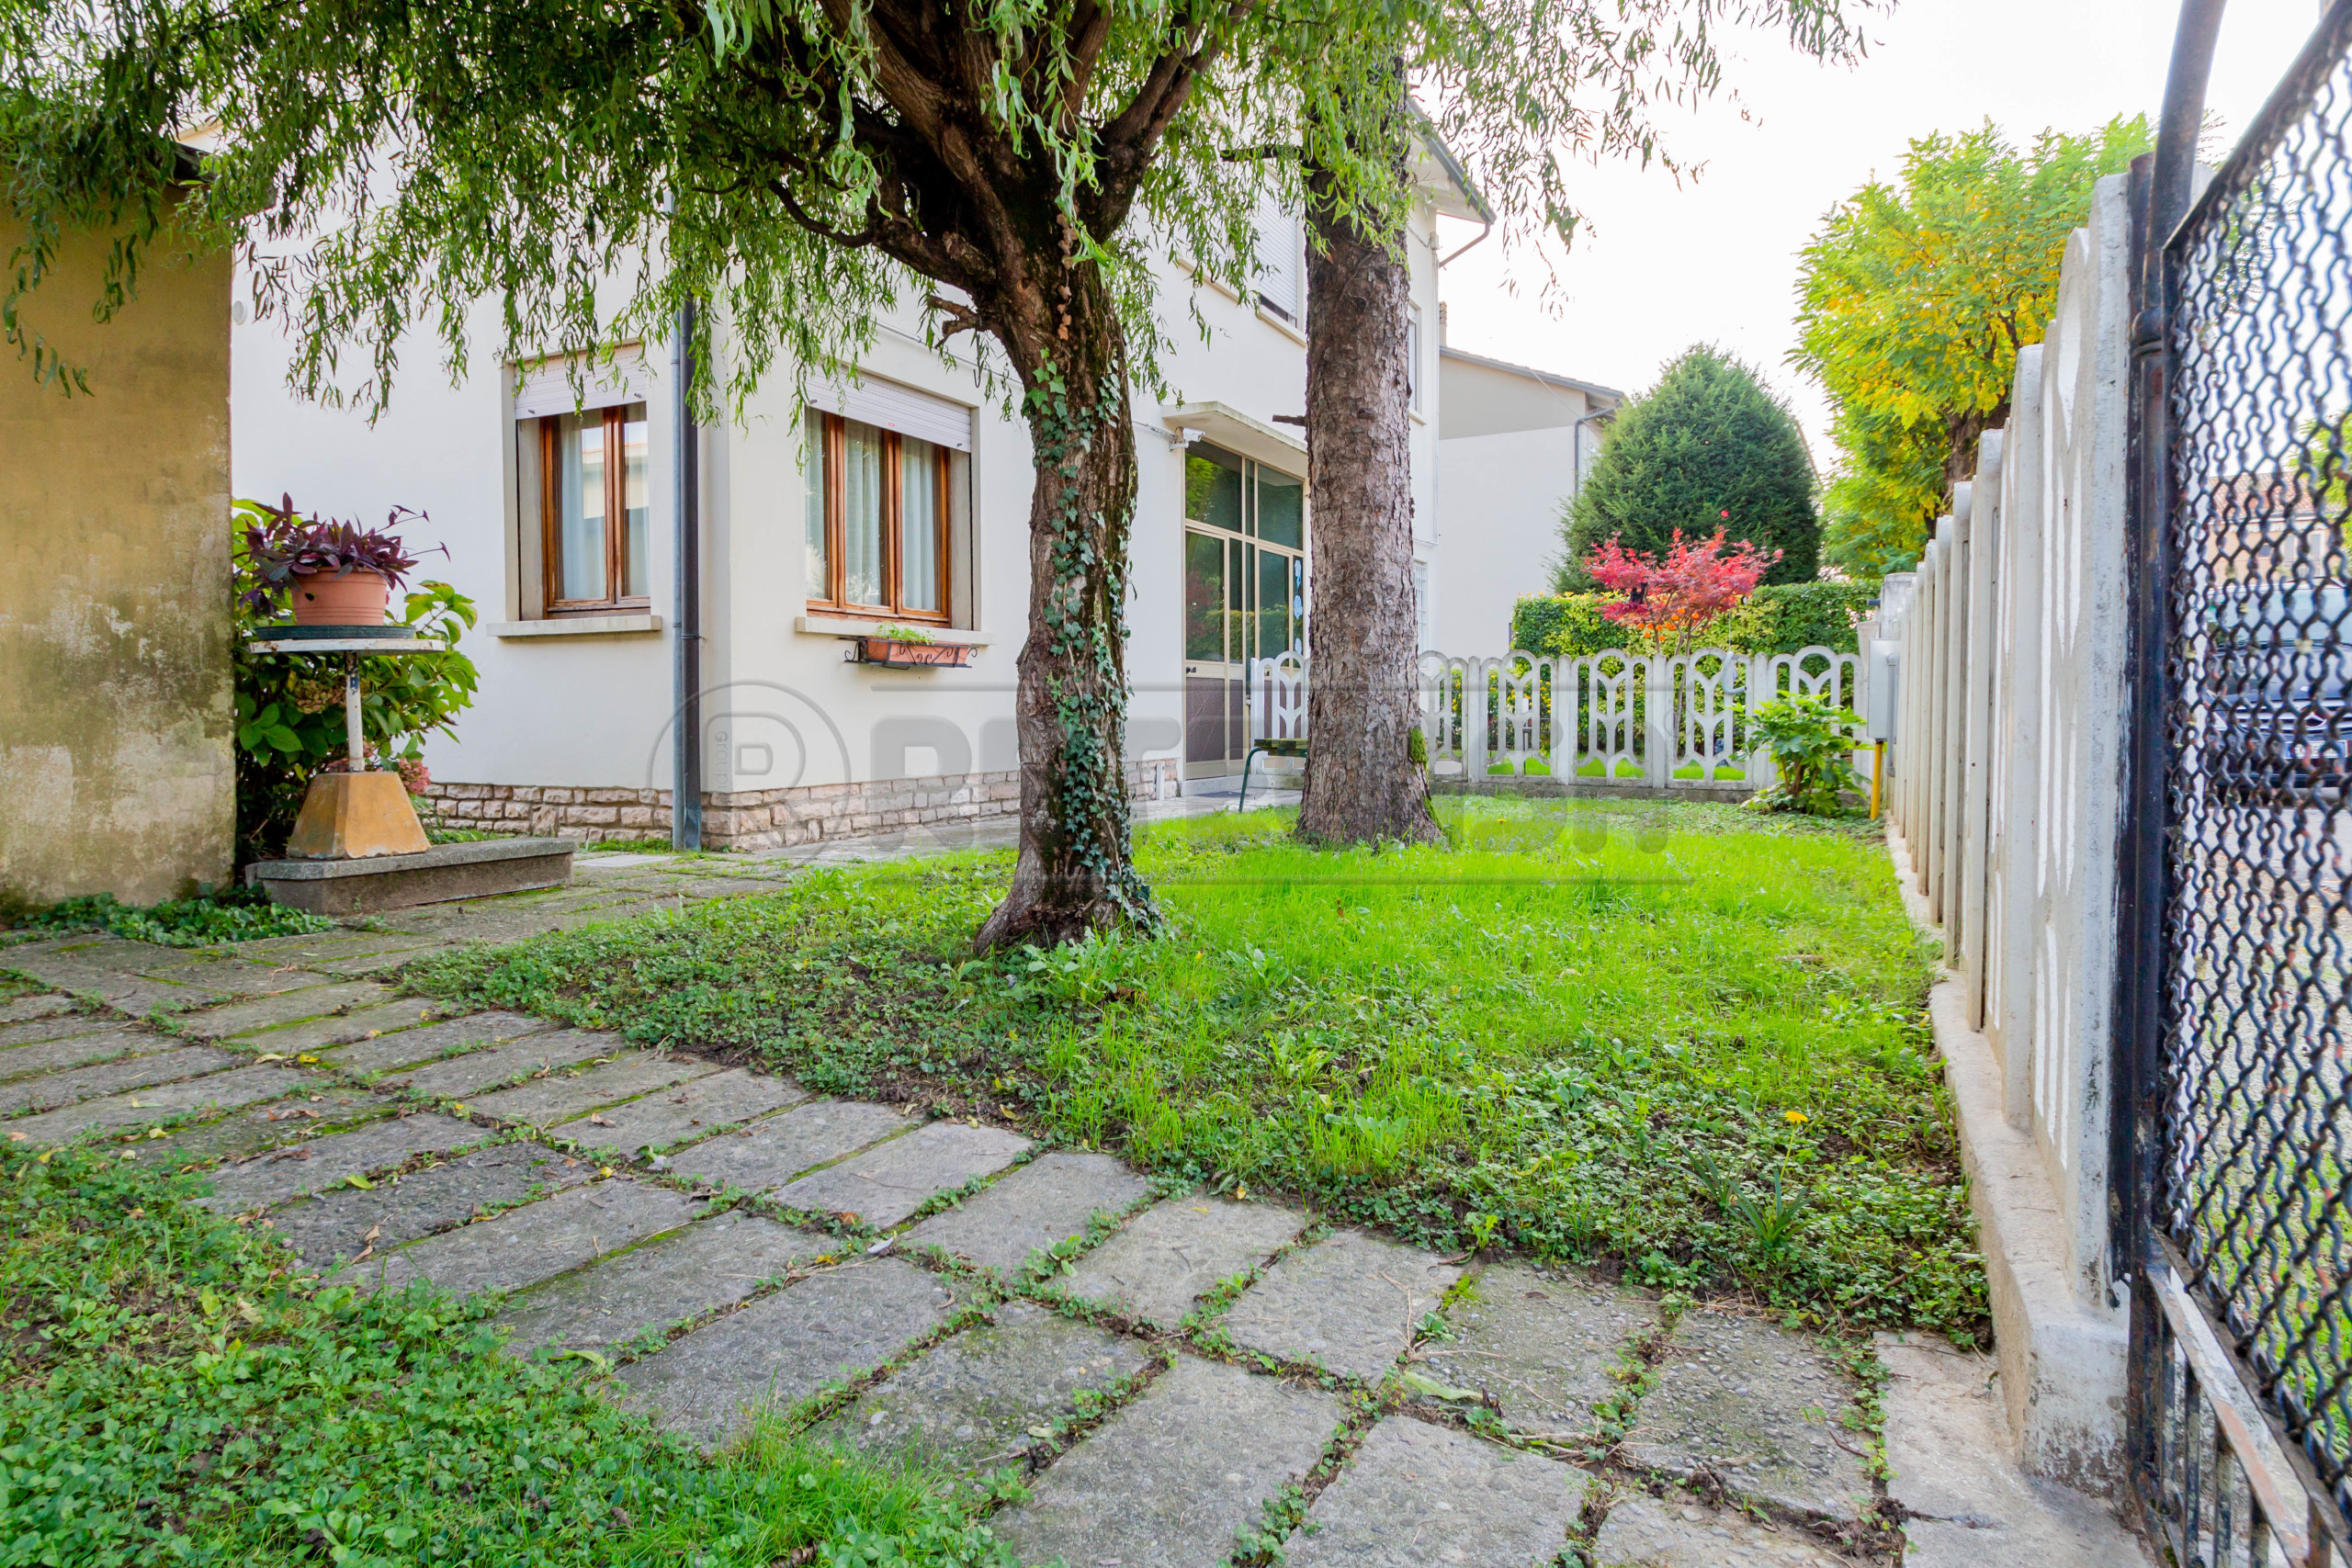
x=595, y=501
x=877, y=520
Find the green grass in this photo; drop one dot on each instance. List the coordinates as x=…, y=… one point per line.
x=232, y=914
x=170, y=1392
x=1678, y=1040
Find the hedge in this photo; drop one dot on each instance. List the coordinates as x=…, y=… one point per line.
x=1776, y=618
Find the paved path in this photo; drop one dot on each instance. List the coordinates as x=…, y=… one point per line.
x=1164, y=1369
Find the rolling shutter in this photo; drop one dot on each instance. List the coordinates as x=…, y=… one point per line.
x=545, y=387
x=902, y=409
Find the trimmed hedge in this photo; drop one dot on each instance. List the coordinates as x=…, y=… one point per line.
x=1777, y=618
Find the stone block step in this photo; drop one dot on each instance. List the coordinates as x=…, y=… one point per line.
x=766, y=1155
x=784, y=1348
x=166, y=1103
x=1416, y=1495
x=44, y=1091
x=1173, y=1253
x=884, y=1185
x=509, y=1062
x=1755, y=1405
x=285, y=1006
x=1165, y=1482
x=77, y=1050
x=558, y=1097
x=426, y=1043
x=319, y=1163
x=535, y=1242
x=969, y=1404
x=714, y=1263
x=706, y=1106
x=346, y=1222
x=1349, y=1304
x=1046, y=1202
x=1542, y=1344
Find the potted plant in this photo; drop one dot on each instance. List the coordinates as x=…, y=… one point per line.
x=910, y=648
x=333, y=573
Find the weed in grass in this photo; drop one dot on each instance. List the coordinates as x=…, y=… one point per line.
x=231, y=914
x=1557, y=1026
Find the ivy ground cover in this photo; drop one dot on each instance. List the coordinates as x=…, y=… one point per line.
x=1676, y=1039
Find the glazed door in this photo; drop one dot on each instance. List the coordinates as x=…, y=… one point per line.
x=1245, y=597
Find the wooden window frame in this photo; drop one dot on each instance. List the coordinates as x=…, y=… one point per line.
x=550, y=441
x=831, y=596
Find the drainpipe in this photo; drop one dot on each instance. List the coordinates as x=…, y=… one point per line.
x=685, y=643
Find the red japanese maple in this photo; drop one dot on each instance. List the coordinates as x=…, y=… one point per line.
x=1671, y=600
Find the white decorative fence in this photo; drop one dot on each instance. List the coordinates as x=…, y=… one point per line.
x=1635, y=720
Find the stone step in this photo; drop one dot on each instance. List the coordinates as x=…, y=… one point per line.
x=319, y=1162
x=346, y=1222
x=343, y=1028
x=1165, y=1482
x=1175, y=1252
x=766, y=1155
x=58, y=1026
x=426, y=1043
x=1760, y=1409
x=781, y=1349
x=1046, y=1202
x=558, y=1097
x=706, y=1106
x=77, y=1050
x=535, y=1242
x=1416, y=1495
x=285, y=1006
x=1647, y=1532
x=167, y=1103
x=44, y=1091
x=884, y=1185
x=969, y=1405
x=24, y=1009
x=508, y=1062
x=709, y=1265
x=1349, y=1304
x=1542, y=1344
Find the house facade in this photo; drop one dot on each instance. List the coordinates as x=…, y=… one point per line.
x=896, y=498
x=1514, y=444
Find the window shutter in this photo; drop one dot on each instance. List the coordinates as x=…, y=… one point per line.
x=545, y=388
x=902, y=409
x=1281, y=247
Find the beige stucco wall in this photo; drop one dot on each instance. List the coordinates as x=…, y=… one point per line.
x=116, y=769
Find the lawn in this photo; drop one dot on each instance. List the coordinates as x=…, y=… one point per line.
x=1680, y=1042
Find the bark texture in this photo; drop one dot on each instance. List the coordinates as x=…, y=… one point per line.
x=1362, y=783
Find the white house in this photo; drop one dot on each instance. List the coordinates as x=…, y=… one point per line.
x=1513, y=444
x=900, y=497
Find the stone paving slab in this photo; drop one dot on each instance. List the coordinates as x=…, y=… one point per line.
x=969, y=1405
x=260, y=1128
x=46, y=1091
x=342, y=1028
x=285, y=1006
x=77, y=1050
x=366, y=963
x=558, y=1097
x=1173, y=1253
x=1644, y=1532
x=784, y=1348
x=345, y=1223
x=768, y=1153
x=1048, y=1200
x=85, y=951
x=24, y=1009
x=141, y=1106
x=1416, y=1495
x=134, y=994
x=323, y=951
x=512, y=1059
x=409, y=1047
x=707, y=1105
x=884, y=1185
x=1543, y=1344
x=56, y=1025
x=1165, y=1482
x=1755, y=1405
x=319, y=1162
x=232, y=977
x=714, y=1263
x=534, y=1242
x=1349, y=1304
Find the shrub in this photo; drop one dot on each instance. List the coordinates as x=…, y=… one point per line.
x=1776, y=618
x=1810, y=742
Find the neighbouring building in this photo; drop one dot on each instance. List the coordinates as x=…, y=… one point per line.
x=900, y=497
x=117, y=718
x=1513, y=445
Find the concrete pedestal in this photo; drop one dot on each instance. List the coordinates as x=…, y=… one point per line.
x=347, y=816
x=397, y=881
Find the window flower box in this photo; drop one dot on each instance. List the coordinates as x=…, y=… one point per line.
x=899, y=653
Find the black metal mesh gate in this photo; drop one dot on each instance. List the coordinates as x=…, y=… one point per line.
x=2248, y=1229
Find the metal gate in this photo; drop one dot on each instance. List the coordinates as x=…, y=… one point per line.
x=2233, y=1013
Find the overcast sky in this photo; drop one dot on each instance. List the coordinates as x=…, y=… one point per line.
x=1716, y=260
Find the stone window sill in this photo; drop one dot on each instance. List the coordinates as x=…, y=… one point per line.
x=577, y=625
x=834, y=625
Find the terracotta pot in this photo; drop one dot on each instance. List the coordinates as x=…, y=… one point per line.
x=913, y=655
x=355, y=599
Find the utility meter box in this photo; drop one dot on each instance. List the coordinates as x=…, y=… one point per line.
x=1886, y=671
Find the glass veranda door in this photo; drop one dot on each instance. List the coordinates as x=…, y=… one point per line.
x=1245, y=597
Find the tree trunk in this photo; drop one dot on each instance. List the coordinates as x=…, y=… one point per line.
x=1075, y=874
x=1362, y=783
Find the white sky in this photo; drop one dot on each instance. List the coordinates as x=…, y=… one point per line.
x=1661, y=267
